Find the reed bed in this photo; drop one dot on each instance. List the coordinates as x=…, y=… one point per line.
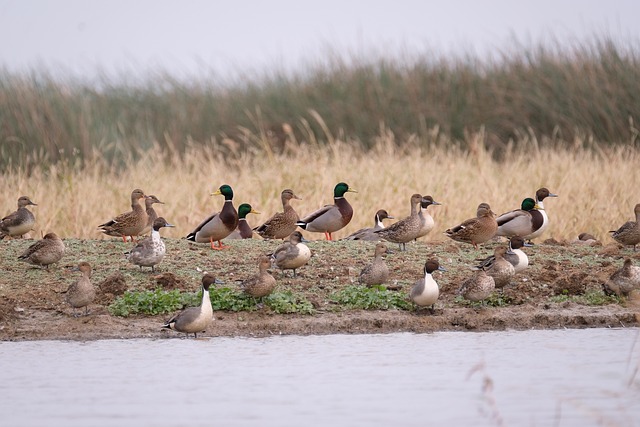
x=597, y=185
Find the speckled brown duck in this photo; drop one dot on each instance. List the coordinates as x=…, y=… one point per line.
x=292, y=254
x=407, y=229
x=152, y=215
x=475, y=230
x=263, y=283
x=281, y=224
x=20, y=222
x=330, y=218
x=500, y=269
x=377, y=272
x=629, y=233
x=369, y=233
x=477, y=287
x=515, y=255
x=130, y=223
x=81, y=293
x=220, y=224
x=623, y=280
x=44, y=252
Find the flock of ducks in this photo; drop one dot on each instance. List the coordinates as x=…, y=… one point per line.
x=494, y=272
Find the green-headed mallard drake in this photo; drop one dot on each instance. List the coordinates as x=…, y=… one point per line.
x=220, y=224
x=195, y=319
x=292, y=254
x=475, y=230
x=368, y=234
x=150, y=251
x=152, y=215
x=281, y=224
x=243, y=230
x=263, y=283
x=81, y=293
x=330, y=218
x=44, y=252
x=377, y=272
x=425, y=216
x=425, y=292
x=129, y=223
x=629, y=233
x=407, y=229
x=500, y=269
x=514, y=255
x=20, y=222
x=477, y=287
x=528, y=222
x=624, y=280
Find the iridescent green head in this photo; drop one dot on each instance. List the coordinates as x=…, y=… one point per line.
x=224, y=190
x=528, y=204
x=245, y=209
x=342, y=188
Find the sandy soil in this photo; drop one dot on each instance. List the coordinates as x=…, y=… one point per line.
x=32, y=303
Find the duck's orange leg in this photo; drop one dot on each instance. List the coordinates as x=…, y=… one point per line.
x=219, y=247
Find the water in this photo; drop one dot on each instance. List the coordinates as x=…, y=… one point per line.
x=525, y=378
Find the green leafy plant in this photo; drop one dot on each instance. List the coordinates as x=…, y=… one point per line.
x=496, y=299
x=152, y=302
x=371, y=298
x=593, y=297
x=287, y=302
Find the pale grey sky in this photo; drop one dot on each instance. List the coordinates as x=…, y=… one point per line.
x=195, y=37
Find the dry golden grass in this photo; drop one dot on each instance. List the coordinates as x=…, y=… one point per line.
x=597, y=186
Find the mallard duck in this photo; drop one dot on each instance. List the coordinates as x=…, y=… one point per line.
x=81, y=293
x=477, y=287
x=475, y=230
x=624, y=280
x=368, y=233
x=149, y=252
x=263, y=283
x=44, y=252
x=377, y=272
x=425, y=216
x=529, y=222
x=243, y=230
x=514, y=255
x=19, y=222
x=500, y=269
x=292, y=254
x=629, y=233
x=425, y=292
x=220, y=224
x=149, y=201
x=129, y=223
x=281, y=224
x=407, y=229
x=195, y=319
x=330, y=218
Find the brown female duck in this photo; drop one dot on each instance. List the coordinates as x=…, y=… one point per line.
x=281, y=224
x=407, y=229
x=20, y=222
x=44, y=252
x=377, y=272
x=475, y=230
x=81, y=293
x=629, y=233
x=263, y=283
x=129, y=223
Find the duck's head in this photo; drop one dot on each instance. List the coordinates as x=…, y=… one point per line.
x=432, y=265
x=51, y=236
x=383, y=214
x=224, y=190
x=151, y=199
x=528, y=204
x=296, y=237
x=427, y=201
x=483, y=207
x=25, y=201
x=83, y=267
x=416, y=199
x=209, y=279
x=161, y=222
x=381, y=249
x=517, y=242
x=543, y=193
x=245, y=209
x=288, y=194
x=137, y=194
x=500, y=252
x=341, y=188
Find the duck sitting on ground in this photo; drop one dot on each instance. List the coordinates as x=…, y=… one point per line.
x=623, y=280
x=129, y=223
x=150, y=251
x=263, y=283
x=369, y=233
x=500, y=269
x=220, y=224
x=377, y=272
x=330, y=218
x=425, y=292
x=477, y=287
x=407, y=229
x=475, y=230
x=292, y=254
x=44, y=252
x=81, y=293
x=629, y=233
x=281, y=224
x=20, y=222
x=516, y=256
x=152, y=215
x=195, y=319
x=243, y=230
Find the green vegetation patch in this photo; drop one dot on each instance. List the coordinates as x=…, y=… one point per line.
x=589, y=298
x=371, y=298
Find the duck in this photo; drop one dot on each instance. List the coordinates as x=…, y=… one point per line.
x=516, y=256
x=425, y=291
x=629, y=233
x=20, y=222
x=425, y=216
x=477, y=287
x=623, y=280
x=81, y=293
x=330, y=218
x=368, y=234
x=195, y=319
x=243, y=230
x=407, y=229
x=129, y=223
x=220, y=224
x=281, y=224
x=530, y=221
x=263, y=283
x=500, y=269
x=475, y=230
x=377, y=272
x=292, y=254
x=152, y=215
x=150, y=251
x=44, y=252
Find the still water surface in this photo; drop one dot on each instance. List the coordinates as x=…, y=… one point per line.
x=523, y=378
